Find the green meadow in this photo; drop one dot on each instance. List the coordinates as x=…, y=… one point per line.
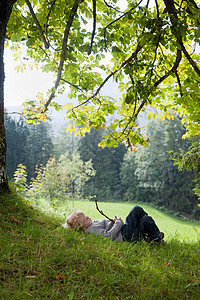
x=39, y=259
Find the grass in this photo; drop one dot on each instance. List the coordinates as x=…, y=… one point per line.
x=41, y=260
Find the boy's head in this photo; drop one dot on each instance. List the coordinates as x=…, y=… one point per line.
x=77, y=220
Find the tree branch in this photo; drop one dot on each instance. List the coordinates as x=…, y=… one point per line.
x=134, y=116
x=157, y=9
x=94, y=26
x=63, y=52
x=46, y=26
x=74, y=85
x=133, y=55
x=173, y=69
x=37, y=24
x=110, y=6
x=101, y=212
x=17, y=113
x=155, y=57
x=194, y=3
x=179, y=83
x=174, y=21
x=116, y=20
x=191, y=61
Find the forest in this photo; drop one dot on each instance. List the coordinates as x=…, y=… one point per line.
x=150, y=49
x=64, y=166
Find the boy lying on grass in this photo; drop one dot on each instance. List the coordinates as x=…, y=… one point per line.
x=137, y=225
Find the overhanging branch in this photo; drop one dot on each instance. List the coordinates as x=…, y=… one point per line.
x=179, y=83
x=110, y=6
x=116, y=20
x=74, y=85
x=63, y=52
x=49, y=13
x=191, y=61
x=173, y=69
x=133, y=55
x=170, y=7
x=37, y=24
x=94, y=26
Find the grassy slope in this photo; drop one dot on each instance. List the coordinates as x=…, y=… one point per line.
x=41, y=260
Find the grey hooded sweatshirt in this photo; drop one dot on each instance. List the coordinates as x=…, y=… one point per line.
x=107, y=229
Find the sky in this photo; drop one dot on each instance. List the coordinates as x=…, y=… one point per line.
x=20, y=87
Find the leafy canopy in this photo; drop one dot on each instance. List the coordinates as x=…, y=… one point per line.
x=149, y=48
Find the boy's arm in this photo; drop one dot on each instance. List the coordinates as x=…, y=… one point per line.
x=111, y=231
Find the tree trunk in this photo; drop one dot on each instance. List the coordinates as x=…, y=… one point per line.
x=5, y=11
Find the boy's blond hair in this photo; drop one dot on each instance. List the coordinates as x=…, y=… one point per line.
x=75, y=220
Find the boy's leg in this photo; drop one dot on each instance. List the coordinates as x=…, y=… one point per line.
x=130, y=230
x=148, y=226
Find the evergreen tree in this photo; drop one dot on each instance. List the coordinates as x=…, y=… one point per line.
x=159, y=181
x=29, y=145
x=64, y=142
x=39, y=147
x=129, y=180
x=189, y=159
x=106, y=184
x=16, y=135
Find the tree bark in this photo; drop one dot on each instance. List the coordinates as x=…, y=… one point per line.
x=5, y=11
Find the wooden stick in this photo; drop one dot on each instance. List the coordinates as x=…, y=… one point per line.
x=101, y=212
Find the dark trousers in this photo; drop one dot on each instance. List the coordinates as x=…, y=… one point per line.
x=138, y=222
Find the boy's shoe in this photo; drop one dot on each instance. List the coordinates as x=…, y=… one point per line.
x=159, y=239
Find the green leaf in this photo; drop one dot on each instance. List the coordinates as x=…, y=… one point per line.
x=129, y=98
x=115, y=50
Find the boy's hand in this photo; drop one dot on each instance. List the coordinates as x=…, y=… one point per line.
x=116, y=218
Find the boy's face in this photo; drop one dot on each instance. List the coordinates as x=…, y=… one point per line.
x=86, y=221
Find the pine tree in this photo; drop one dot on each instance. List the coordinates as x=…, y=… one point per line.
x=158, y=181
x=29, y=145
x=106, y=184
